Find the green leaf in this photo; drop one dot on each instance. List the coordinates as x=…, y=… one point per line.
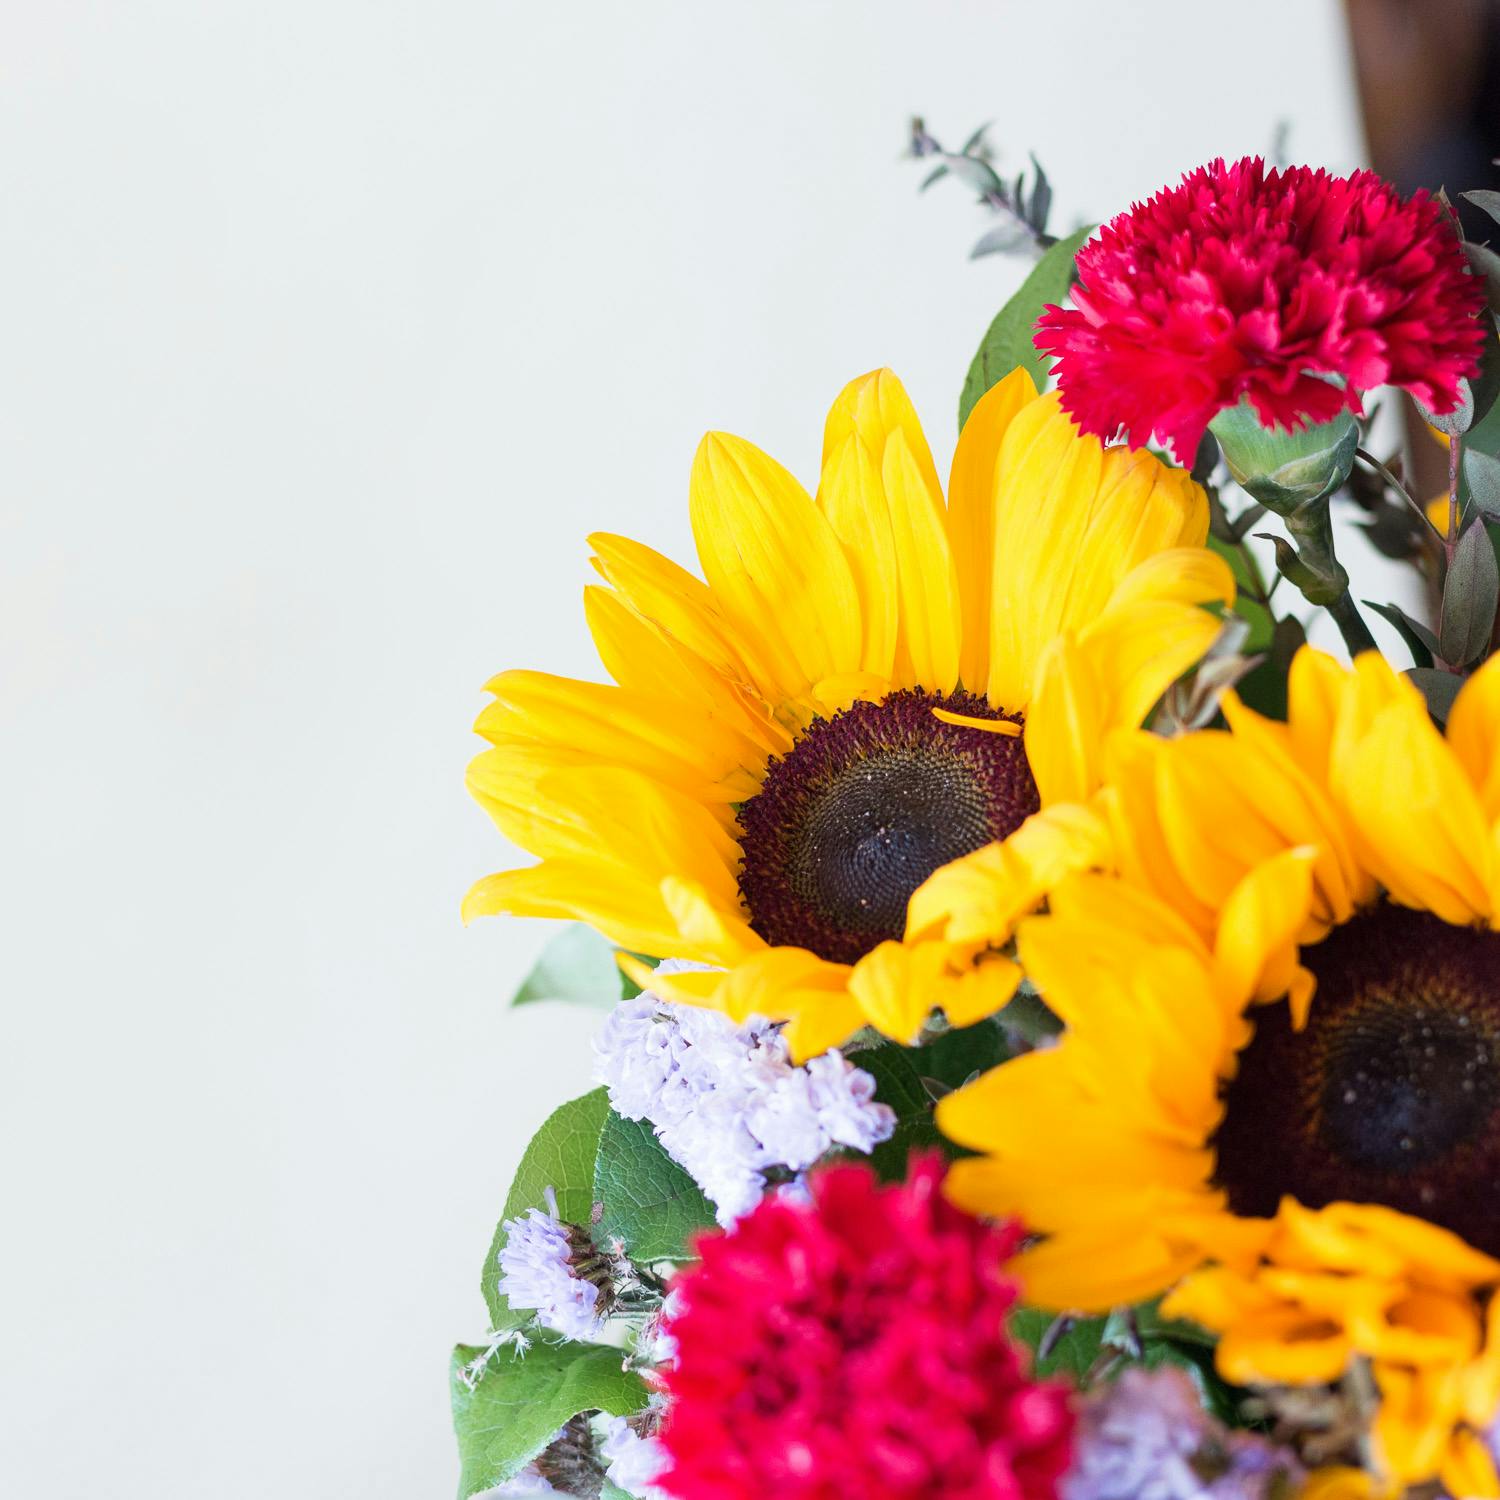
x=561, y=1157
x=1261, y=621
x=647, y=1200
x=1439, y=688
x=1027, y=1021
x=1265, y=688
x=1007, y=342
x=577, y=966
x=1151, y=1326
x=898, y=1082
x=1073, y=1355
x=956, y=1055
x=521, y=1400
x=1419, y=640
x=1471, y=595
x=909, y=1079
x=1092, y=1349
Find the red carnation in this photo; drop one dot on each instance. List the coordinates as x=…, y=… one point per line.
x=1244, y=283
x=855, y=1346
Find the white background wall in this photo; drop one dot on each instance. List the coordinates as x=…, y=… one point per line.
x=329, y=328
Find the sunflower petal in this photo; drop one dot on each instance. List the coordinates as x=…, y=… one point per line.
x=1474, y=734
x=930, y=619
x=896, y=987
x=776, y=566
x=852, y=496
x=972, y=504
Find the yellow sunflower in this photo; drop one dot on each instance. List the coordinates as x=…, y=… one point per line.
x=1277, y=1093
x=868, y=685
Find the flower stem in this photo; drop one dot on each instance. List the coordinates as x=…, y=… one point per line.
x=1351, y=624
x=1455, y=457
x=1400, y=489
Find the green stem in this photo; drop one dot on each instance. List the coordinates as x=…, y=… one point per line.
x=1351, y=624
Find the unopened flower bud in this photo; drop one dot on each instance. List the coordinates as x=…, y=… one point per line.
x=1280, y=467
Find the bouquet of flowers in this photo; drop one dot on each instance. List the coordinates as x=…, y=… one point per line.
x=1051, y=1035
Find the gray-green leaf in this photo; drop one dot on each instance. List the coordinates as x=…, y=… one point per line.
x=1007, y=342
x=647, y=1200
x=1485, y=263
x=561, y=1157
x=1419, y=640
x=519, y=1401
x=577, y=965
x=1439, y=688
x=1487, y=199
x=1482, y=470
x=1471, y=594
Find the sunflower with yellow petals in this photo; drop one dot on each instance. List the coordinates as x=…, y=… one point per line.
x=1277, y=1093
x=863, y=687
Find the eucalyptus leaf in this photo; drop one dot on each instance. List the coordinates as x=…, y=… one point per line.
x=976, y=173
x=973, y=141
x=1000, y=240
x=1482, y=470
x=1456, y=422
x=1487, y=199
x=510, y=1412
x=1007, y=342
x=1041, y=198
x=578, y=966
x=561, y=1156
x=1477, y=397
x=647, y=1201
x=1439, y=688
x=1419, y=640
x=1471, y=594
x=1485, y=263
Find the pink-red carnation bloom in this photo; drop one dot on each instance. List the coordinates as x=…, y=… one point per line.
x=1245, y=283
x=855, y=1345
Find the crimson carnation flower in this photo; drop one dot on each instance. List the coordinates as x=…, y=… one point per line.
x=856, y=1346
x=1242, y=283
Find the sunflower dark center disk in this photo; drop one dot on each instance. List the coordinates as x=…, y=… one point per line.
x=1391, y=1094
x=863, y=808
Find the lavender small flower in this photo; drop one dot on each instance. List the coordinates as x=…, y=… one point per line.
x=1147, y=1437
x=726, y=1101
x=539, y=1266
x=634, y=1461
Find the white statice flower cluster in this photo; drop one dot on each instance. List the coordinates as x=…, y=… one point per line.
x=634, y=1461
x=726, y=1100
x=538, y=1270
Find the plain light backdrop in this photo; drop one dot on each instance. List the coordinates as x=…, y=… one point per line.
x=330, y=327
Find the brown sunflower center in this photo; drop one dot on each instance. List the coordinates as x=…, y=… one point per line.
x=1392, y=1092
x=863, y=808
